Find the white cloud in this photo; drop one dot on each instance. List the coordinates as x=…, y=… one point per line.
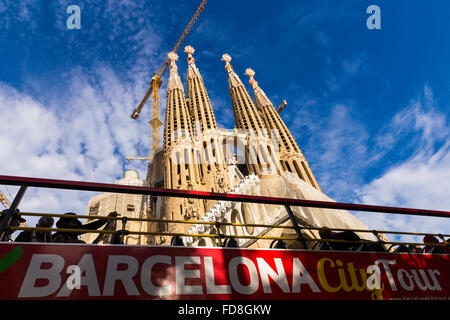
x=422, y=180
x=78, y=126
x=411, y=154
x=82, y=135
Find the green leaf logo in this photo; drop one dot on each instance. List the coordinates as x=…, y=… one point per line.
x=10, y=258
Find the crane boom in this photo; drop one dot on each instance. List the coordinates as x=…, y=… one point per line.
x=137, y=158
x=160, y=71
x=4, y=200
x=191, y=23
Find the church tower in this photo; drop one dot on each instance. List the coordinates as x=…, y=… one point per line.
x=261, y=155
x=291, y=157
x=209, y=152
x=180, y=171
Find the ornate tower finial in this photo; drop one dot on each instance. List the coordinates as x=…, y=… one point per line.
x=190, y=51
x=172, y=56
x=174, y=78
x=227, y=58
x=251, y=73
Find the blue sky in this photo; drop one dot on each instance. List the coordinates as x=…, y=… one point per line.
x=369, y=108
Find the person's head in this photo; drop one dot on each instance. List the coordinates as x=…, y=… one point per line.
x=45, y=222
x=325, y=233
x=15, y=221
x=68, y=222
x=430, y=239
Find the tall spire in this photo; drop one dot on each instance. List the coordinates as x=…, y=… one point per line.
x=178, y=122
x=261, y=157
x=246, y=115
x=192, y=68
x=259, y=95
x=233, y=78
x=174, y=77
x=199, y=103
x=291, y=157
x=180, y=171
x=210, y=158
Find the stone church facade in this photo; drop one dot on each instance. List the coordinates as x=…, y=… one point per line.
x=259, y=157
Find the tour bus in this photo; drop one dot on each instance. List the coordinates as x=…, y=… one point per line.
x=322, y=268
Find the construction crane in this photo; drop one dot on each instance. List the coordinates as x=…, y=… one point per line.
x=282, y=106
x=7, y=204
x=4, y=200
x=155, y=84
x=137, y=158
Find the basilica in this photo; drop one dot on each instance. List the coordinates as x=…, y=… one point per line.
x=259, y=157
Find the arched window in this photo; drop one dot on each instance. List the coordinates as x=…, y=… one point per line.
x=247, y=215
x=235, y=218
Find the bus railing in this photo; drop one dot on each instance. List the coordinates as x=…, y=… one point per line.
x=25, y=182
x=224, y=236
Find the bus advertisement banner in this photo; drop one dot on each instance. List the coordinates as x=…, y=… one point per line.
x=77, y=271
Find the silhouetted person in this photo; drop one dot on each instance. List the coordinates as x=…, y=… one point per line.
x=231, y=243
x=434, y=249
x=106, y=238
x=278, y=244
x=15, y=222
x=74, y=223
x=176, y=241
x=37, y=236
x=327, y=234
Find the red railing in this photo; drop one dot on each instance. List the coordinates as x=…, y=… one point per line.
x=114, y=188
x=25, y=182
